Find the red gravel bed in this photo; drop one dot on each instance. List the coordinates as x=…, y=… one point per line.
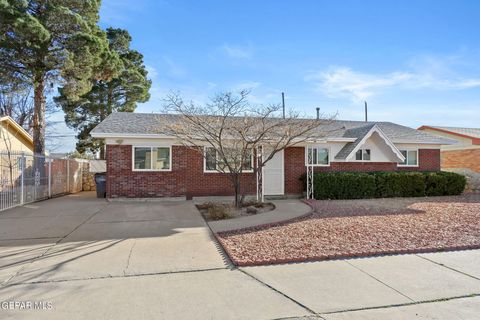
x=351, y=228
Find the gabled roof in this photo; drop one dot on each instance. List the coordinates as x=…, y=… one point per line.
x=362, y=134
x=8, y=122
x=126, y=124
x=472, y=133
x=357, y=133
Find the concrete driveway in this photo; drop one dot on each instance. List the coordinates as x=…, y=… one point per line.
x=89, y=258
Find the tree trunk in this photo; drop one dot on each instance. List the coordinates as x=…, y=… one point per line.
x=39, y=115
x=236, y=188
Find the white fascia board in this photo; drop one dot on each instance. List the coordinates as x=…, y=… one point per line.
x=129, y=135
x=422, y=142
x=327, y=139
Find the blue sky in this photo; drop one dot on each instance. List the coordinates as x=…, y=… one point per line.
x=415, y=62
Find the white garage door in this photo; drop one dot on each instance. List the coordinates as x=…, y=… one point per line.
x=273, y=175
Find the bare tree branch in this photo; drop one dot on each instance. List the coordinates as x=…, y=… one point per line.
x=235, y=130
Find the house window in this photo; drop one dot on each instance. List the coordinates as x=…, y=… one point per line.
x=152, y=158
x=362, y=155
x=411, y=158
x=318, y=156
x=214, y=164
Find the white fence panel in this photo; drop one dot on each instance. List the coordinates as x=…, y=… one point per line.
x=26, y=178
x=98, y=166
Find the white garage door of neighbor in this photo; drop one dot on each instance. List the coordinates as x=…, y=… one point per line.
x=273, y=175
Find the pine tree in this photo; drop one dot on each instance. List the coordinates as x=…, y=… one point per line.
x=121, y=93
x=44, y=43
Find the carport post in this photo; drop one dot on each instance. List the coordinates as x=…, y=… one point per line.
x=68, y=175
x=49, y=178
x=22, y=180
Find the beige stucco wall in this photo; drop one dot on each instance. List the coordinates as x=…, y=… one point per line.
x=12, y=140
x=463, y=142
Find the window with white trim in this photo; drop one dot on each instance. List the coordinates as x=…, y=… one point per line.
x=214, y=164
x=411, y=158
x=318, y=156
x=152, y=158
x=362, y=155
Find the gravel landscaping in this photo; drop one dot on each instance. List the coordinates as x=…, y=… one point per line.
x=350, y=228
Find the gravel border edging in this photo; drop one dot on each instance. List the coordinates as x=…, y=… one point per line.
x=345, y=256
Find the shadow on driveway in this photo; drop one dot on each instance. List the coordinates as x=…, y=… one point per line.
x=82, y=237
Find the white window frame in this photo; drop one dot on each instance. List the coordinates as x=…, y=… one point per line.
x=362, y=149
x=318, y=147
x=216, y=170
x=151, y=160
x=406, y=158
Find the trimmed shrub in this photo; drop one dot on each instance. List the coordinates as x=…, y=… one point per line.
x=344, y=185
x=399, y=184
x=356, y=185
x=455, y=183
x=435, y=184
x=444, y=183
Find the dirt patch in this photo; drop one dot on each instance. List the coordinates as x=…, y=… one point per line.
x=349, y=228
x=211, y=210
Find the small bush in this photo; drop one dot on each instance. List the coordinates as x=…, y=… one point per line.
x=218, y=211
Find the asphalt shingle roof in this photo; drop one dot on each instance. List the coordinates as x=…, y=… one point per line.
x=471, y=132
x=124, y=123
x=359, y=133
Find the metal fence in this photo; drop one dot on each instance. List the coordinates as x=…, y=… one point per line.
x=26, y=178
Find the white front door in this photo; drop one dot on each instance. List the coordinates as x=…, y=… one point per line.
x=273, y=175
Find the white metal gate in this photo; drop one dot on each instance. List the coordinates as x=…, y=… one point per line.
x=26, y=178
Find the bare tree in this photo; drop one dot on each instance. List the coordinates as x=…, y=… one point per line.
x=234, y=136
x=17, y=102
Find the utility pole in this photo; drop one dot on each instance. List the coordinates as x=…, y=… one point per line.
x=366, y=112
x=283, y=104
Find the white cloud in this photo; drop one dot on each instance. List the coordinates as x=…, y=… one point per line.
x=174, y=69
x=247, y=85
x=337, y=82
x=237, y=51
x=118, y=12
x=152, y=71
x=343, y=81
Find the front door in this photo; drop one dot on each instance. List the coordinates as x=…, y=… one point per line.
x=273, y=175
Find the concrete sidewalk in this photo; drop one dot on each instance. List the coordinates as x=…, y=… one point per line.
x=132, y=260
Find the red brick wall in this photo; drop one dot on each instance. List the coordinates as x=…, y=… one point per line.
x=469, y=159
x=428, y=160
x=294, y=160
x=186, y=178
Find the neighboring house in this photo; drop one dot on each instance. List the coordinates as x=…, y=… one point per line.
x=465, y=153
x=142, y=161
x=13, y=137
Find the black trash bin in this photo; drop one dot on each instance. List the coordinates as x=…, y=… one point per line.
x=100, y=182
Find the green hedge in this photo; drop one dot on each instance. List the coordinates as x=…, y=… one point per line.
x=343, y=185
x=355, y=185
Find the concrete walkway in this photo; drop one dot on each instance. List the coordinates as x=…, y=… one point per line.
x=90, y=259
x=284, y=210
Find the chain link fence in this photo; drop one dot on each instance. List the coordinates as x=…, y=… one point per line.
x=26, y=178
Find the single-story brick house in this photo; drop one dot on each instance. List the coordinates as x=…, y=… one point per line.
x=142, y=161
x=464, y=153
